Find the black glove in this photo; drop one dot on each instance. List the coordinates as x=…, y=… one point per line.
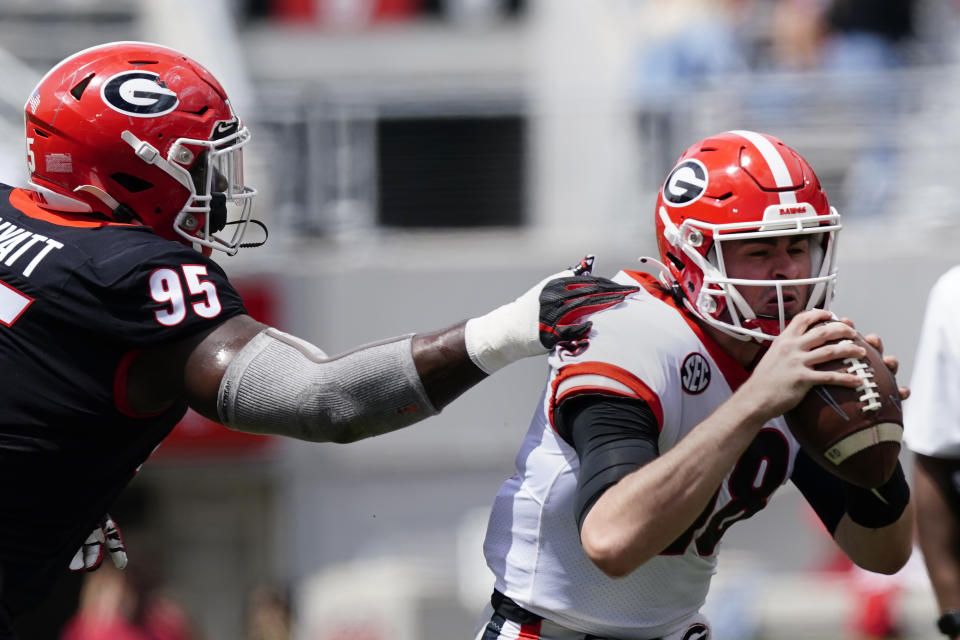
x=566, y=300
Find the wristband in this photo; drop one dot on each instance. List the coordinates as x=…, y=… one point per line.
x=880, y=507
x=494, y=341
x=509, y=333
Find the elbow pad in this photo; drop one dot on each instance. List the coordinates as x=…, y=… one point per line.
x=279, y=384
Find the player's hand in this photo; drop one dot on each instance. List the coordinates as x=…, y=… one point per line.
x=892, y=362
x=565, y=300
x=549, y=313
x=786, y=372
x=90, y=555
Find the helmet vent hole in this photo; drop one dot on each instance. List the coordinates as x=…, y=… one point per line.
x=41, y=133
x=728, y=194
x=677, y=262
x=81, y=86
x=199, y=112
x=133, y=184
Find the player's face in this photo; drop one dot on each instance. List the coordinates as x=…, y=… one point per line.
x=777, y=258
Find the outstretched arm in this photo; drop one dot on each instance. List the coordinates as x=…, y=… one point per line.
x=254, y=378
x=553, y=311
x=443, y=364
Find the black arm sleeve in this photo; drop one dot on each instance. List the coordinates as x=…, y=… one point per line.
x=823, y=490
x=831, y=497
x=612, y=436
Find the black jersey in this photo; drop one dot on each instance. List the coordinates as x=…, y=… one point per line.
x=78, y=299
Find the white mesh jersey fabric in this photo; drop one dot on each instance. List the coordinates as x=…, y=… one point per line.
x=532, y=543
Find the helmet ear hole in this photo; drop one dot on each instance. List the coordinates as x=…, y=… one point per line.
x=123, y=213
x=131, y=183
x=677, y=262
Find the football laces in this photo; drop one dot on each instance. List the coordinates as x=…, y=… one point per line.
x=868, y=387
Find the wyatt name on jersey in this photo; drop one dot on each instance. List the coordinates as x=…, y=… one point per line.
x=14, y=237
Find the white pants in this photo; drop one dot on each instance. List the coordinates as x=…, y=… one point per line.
x=493, y=626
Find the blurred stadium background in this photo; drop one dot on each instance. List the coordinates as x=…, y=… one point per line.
x=422, y=160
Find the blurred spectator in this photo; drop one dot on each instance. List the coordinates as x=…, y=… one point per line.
x=869, y=37
x=683, y=46
x=868, y=34
x=854, y=52
x=125, y=605
x=688, y=43
x=932, y=421
x=796, y=36
x=839, y=36
x=268, y=614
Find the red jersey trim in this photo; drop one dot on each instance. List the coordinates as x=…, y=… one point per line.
x=17, y=295
x=25, y=202
x=530, y=631
x=636, y=385
x=734, y=373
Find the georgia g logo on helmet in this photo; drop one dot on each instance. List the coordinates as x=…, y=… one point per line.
x=686, y=183
x=139, y=93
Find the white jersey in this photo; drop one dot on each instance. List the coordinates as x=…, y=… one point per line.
x=931, y=415
x=642, y=348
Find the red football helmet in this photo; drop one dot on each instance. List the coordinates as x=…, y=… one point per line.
x=732, y=186
x=135, y=130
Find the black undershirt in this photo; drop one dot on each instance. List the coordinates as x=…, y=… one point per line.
x=613, y=437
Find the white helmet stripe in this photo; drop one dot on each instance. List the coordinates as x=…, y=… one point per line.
x=781, y=175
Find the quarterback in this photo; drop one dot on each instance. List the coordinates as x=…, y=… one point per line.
x=665, y=427
x=114, y=318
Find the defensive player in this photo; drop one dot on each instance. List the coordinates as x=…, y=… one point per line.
x=113, y=323
x=665, y=428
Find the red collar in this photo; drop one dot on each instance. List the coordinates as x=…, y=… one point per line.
x=26, y=202
x=732, y=370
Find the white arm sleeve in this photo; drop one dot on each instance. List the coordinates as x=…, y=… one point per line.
x=280, y=384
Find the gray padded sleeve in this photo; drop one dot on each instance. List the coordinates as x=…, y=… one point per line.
x=282, y=385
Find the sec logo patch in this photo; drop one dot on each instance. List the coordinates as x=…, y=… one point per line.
x=695, y=373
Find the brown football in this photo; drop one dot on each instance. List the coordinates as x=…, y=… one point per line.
x=853, y=433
